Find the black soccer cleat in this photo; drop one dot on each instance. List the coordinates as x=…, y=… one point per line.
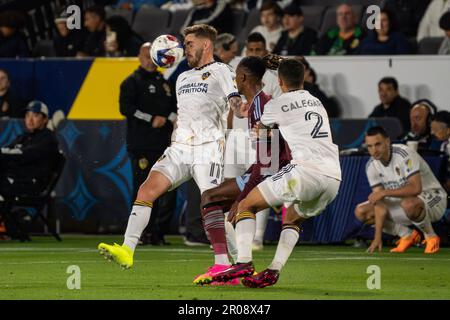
x=262, y=279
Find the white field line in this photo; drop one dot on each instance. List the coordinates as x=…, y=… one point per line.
x=193, y=260
x=174, y=250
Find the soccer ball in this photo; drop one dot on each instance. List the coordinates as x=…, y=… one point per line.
x=166, y=51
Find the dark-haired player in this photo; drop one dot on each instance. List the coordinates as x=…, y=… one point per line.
x=305, y=186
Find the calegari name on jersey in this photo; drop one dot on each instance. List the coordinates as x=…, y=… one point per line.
x=403, y=164
x=304, y=124
x=202, y=98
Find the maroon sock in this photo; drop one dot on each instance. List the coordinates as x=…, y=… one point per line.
x=214, y=223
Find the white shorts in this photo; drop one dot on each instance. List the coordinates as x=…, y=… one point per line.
x=308, y=191
x=435, y=201
x=239, y=153
x=203, y=163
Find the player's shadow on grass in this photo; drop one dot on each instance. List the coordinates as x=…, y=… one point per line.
x=309, y=292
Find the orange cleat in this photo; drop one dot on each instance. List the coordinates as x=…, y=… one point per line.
x=432, y=244
x=404, y=243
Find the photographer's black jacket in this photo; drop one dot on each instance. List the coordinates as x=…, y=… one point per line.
x=144, y=95
x=31, y=156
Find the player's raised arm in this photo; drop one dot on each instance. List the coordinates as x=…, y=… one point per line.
x=268, y=118
x=239, y=108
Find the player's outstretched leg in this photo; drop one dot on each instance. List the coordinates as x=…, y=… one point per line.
x=214, y=202
x=245, y=233
x=288, y=239
x=155, y=185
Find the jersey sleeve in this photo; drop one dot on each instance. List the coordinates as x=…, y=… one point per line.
x=372, y=175
x=269, y=117
x=412, y=163
x=227, y=82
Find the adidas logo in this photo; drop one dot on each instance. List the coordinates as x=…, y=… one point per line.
x=215, y=182
x=134, y=214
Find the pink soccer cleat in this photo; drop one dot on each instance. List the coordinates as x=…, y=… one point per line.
x=207, y=277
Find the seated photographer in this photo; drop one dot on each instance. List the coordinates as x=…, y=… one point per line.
x=26, y=163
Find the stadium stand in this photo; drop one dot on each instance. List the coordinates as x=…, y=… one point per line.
x=429, y=45
x=152, y=21
x=127, y=14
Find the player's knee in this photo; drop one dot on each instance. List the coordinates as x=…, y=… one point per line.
x=292, y=218
x=413, y=208
x=147, y=193
x=244, y=205
x=206, y=198
x=361, y=213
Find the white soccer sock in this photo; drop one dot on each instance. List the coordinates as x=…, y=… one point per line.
x=426, y=227
x=231, y=239
x=287, y=242
x=245, y=232
x=261, y=224
x=396, y=229
x=138, y=220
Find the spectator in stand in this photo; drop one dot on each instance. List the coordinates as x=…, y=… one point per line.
x=11, y=106
x=444, y=23
x=343, y=39
x=175, y=5
x=392, y=104
x=309, y=85
x=67, y=42
x=420, y=117
x=216, y=13
x=256, y=47
x=226, y=47
x=440, y=128
x=135, y=5
x=386, y=40
x=296, y=39
x=270, y=15
x=408, y=14
x=259, y=3
x=12, y=41
x=429, y=25
x=94, y=21
x=121, y=40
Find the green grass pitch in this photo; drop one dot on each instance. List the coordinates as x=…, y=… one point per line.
x=37, y=270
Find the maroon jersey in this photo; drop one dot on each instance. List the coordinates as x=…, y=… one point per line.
x=253, y=174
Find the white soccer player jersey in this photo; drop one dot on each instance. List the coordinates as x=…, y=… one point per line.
x=304, y=124
x=404, y=163
x=202, y=97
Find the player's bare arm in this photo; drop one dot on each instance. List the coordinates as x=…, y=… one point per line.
x=380, y=212
x=412, y=189
x=230, y=120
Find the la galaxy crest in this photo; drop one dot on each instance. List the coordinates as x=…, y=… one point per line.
x=206, y=75
x=408, y=165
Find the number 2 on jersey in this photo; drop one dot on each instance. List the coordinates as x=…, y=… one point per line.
x=316, y=133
